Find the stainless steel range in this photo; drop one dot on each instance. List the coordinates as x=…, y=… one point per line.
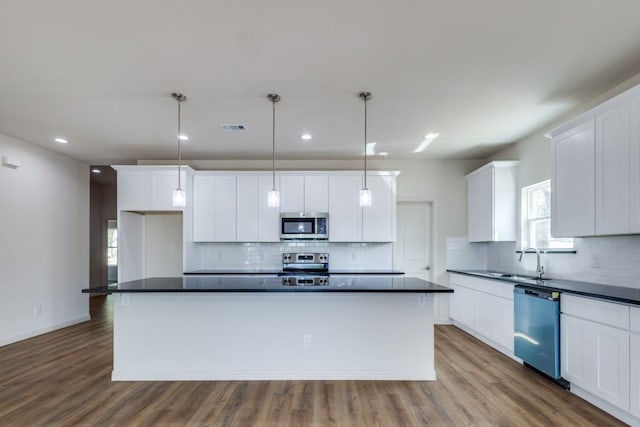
x=305, y=263
x=305, y=269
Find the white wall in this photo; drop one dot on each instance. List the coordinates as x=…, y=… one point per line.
x=439, y=181
x=44, y=243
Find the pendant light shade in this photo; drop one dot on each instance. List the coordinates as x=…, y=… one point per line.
x=179, y=199
x=273, y=197
x=365, y=193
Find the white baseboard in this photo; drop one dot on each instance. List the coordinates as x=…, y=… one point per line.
x=247, y=375
x=37, y=332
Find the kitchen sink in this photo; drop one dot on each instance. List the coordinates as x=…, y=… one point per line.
x=520, y=278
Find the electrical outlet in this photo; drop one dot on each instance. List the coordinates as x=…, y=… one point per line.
x=421, y=299
x=124, y=300
x=306, y=341
x=595, y=262
x=354, y=256
x=37, y=310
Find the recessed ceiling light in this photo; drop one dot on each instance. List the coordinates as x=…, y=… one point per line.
x=61, y=141
x=183, y=137
x=371, y=148
x=305, y=136
x=428, y=139
x=382, y=153
x=96, y=170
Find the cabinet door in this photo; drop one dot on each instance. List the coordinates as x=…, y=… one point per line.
x=224, y=209
x=573, y=182
x=161, y=187
x=634, y=170
x=503, y=322
x=462, y=306
x=455, y=303
x=268, y=217
x=378, y=220
x=480, y=200
x=345, y=213
x=576, y=349
x=612, y=365
x=291, y=193
x=612, y=171
x=316, y=193
x=203, y=208
x=247, y=208
x=133, y=191
x=484, y=316
x=634, y=374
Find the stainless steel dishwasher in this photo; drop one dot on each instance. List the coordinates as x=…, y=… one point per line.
x=537, y=329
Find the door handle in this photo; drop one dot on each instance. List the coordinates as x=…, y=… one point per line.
x=428, y=267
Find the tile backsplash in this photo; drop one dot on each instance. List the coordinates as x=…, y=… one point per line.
x=265, y=256
x=611, y=260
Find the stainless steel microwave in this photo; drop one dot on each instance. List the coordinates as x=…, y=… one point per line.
x=304, y=226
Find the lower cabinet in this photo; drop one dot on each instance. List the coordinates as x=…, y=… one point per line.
x=595, y=355
x=485, y=307
x=634, y=368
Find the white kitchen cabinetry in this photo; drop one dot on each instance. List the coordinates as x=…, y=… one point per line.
x=485, y=308
x=595, y=182
x=491, y=202
x=308, y=193
x=634, y=359
x=316, y=193
x=348, y=222
x=595, y=348
x=379, y=219
x=345, y=213
x=292, y=193
x=612, y=163
x=214, y=208
x=462, y=302
x=148, y=188
x=247, y=208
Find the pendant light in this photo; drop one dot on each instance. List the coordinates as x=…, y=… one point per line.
x=273, y=197
x=179, y=197
x=365, y=193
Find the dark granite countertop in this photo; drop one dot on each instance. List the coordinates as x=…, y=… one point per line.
x=595, y=290
x=272, y=284
x=266, y=272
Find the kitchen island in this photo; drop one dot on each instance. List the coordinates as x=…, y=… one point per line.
x=272, y=328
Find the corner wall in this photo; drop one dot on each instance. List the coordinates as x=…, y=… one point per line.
x=44, y=243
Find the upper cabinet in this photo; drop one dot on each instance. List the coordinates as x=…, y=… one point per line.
x=573, y=182
x=349, y=222
x=595, y=184
x=232, y=206
x=304, y=193
x=150, y=188
x=491, y=202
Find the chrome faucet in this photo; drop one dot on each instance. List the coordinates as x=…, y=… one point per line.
x=539, y=267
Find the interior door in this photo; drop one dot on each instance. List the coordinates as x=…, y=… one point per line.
x=412, y=248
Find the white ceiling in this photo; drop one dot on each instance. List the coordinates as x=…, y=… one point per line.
x=482, y=73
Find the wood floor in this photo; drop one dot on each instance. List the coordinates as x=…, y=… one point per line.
x=63, y=379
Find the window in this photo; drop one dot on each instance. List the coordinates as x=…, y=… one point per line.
x=536, y=219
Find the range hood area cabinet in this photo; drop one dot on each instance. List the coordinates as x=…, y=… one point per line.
x=150, y=188
x=492, y=202
x=595, y=170
x=232, y=206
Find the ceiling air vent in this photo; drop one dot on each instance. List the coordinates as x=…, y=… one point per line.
x=233, y=127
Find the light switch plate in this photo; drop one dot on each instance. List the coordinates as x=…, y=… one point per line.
x=10, y=162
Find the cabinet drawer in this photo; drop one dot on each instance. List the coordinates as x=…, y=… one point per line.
x=635, y=319
x=495, y=287
x=616, y=315
x=462, y=280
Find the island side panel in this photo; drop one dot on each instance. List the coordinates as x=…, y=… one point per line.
x=261, y=336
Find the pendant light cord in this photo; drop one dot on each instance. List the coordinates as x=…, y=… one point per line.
x=365, y=143
x=273, y=139
x=179, y=147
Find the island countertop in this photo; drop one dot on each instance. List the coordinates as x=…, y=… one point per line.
x=273, y=284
